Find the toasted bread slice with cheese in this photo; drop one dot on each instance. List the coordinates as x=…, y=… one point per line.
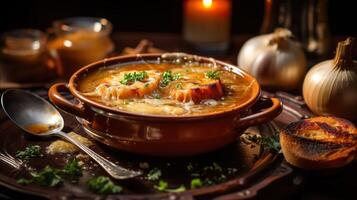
x=319, y=143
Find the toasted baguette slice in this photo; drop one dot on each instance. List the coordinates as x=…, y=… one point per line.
x=319, y=143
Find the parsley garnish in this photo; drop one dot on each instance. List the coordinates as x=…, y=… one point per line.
x=163, y=187
x=52, y=177
x=190, y=167
x=154, y=174
x=103, y=185
x=29, y=152
x=72, y=169
x=130, y=78
x=196, y=183
x=270, y=143
x=179, y=86
x=47, y=177
x=216, y=167
x=167, y=77
x=212, y=74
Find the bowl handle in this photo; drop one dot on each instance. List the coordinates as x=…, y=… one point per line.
x=264, y=110
x=77, y=109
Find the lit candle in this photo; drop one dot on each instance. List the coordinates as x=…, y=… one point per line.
x=207, y=22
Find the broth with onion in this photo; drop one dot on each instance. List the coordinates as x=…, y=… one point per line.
x=166, y=89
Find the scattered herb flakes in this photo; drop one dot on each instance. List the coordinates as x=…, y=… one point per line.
x=30, y=151
x=208, y=181
x=270, y=143
x=231, y=170
x=103, y=185
x=212, y=74
x=146, y=85
x=221, y=178
x=154, y=174
x=176, y=76
x=195, y=174
x=208, y=168
x=168, y=76
x=179, y=86
x=214, y=167
x=51, y=177
x=24, y=181
x=196, y=183
x=47, y=177
x=190, y=167
x=72, y=169
x=130, y=78
x=217, y=167
x=162, y=186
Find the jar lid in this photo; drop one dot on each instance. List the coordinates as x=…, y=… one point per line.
x=89, y=24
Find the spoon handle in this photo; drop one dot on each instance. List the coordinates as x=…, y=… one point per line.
x=112, y=169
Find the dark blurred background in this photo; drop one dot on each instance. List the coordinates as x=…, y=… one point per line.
x=153, y=15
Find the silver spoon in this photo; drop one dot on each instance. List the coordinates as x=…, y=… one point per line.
x=26, y=109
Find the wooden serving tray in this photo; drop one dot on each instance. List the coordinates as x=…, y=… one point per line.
x=255, y=168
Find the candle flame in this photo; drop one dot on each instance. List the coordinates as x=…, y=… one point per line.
x=207, y=3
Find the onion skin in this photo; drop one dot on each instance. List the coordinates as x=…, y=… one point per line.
x=274, y=60
x=330, y=87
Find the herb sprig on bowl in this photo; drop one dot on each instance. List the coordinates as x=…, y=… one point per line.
x=130, y=78
x=212, y=74
x=168, y=76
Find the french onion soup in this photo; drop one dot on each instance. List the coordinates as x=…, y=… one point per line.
x=166, y=88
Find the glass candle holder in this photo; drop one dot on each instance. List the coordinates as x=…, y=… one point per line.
x=207, y=24
x=80, y=41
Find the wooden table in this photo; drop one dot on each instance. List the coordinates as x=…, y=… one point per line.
x=306, y=185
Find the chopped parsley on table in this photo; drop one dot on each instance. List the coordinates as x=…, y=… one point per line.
x=130, y=78
x=196, y=183
x=162, y=186
x=154, y=174
x=30, y=151
x=51, y=177
x=212, y=74
x=72, y=169
x=103, y=185
x=47, y=177
x=270, y=143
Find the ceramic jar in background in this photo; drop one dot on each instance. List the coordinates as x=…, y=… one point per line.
x=79, y=41
x=24, y=57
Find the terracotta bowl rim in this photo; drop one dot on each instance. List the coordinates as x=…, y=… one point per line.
x=151, y=56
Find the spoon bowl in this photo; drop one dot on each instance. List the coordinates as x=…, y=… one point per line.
x=25, y=109
x=38, y=117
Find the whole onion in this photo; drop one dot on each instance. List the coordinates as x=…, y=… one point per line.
x=274, y=59
x=330, y=87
